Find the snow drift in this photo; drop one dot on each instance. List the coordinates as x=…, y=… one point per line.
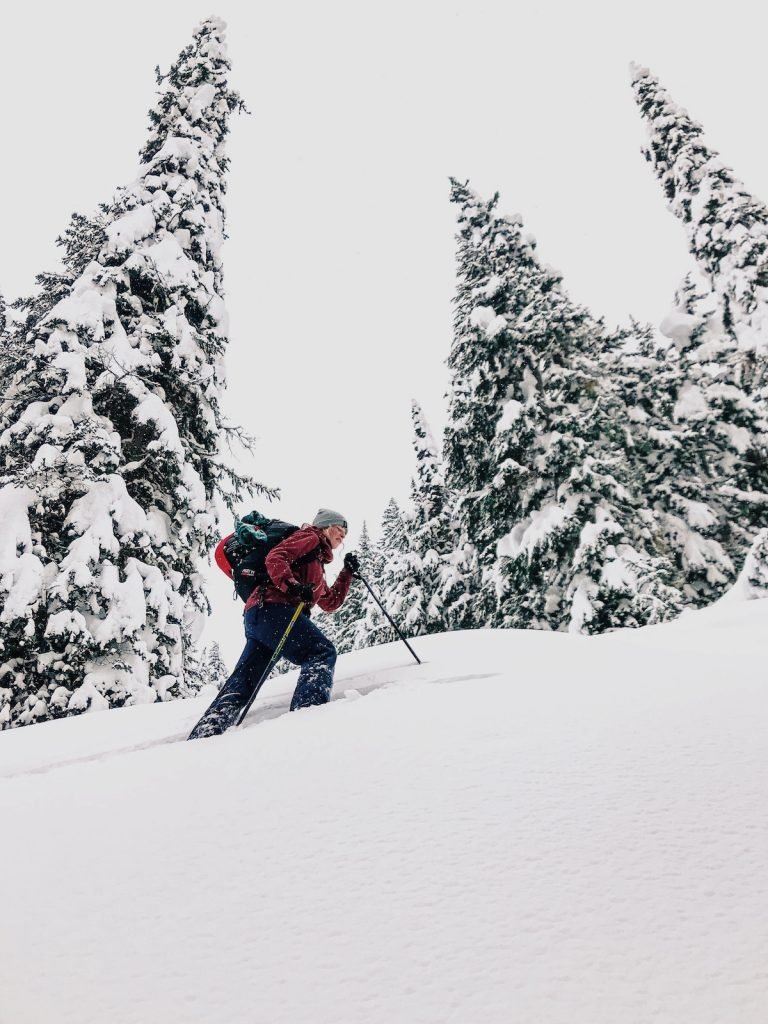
x=527, y=827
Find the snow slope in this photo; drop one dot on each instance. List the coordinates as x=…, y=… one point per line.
x=529, y=827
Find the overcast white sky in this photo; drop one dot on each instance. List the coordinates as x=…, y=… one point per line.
x=339, y=267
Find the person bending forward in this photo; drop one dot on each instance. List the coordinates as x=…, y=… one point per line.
x=294, y=579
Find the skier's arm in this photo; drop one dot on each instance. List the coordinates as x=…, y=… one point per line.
x=278, y=561
x=334, y=596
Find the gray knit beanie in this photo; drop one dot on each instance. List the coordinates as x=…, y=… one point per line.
x=327, y=517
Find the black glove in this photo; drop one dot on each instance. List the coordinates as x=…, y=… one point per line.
x=352, y=562
x=301, y=592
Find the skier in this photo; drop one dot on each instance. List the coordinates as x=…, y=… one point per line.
x=268, y=612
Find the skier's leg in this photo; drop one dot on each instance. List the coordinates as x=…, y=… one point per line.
x=305, y=645
x=234, y=694
x=309, y=647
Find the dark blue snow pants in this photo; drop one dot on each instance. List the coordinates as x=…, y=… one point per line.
x=305, y=646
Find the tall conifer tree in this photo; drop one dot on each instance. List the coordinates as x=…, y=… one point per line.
x=477, y=388
x=110, y=435
x=388, y=562
x=416, y=597
x=546, y=517
x=727, y=228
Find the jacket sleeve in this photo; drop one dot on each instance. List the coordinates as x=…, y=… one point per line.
x=334, y=596
x=278, y=561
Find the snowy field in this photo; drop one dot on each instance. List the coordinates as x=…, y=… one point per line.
x=529, y=827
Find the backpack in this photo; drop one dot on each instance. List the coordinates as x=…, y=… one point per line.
x=247, y=548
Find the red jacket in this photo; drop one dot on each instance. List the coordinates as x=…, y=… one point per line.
x=282, y=573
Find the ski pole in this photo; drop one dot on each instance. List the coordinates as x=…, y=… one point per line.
x=272, y=662
x=389, y=617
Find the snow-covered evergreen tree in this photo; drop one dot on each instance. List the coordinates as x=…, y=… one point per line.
x=216, y=673
x=719, y=327
x=110, y=434
x=698, y=436
x=392, y=569
x=5, y=371
x=195, y=673
x=417, y=571
x=755, y=572
x=391, y=531
x=477, y=387
x=80, y=244
x=11, y=348
x=546, y=529
x=752, y=581
x=727, y=227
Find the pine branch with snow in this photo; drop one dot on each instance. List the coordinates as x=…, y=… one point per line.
x=80, y=244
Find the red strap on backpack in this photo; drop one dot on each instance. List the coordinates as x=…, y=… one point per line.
x=220, y=558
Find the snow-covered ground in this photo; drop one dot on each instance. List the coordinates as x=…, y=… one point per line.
x=527, y=828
